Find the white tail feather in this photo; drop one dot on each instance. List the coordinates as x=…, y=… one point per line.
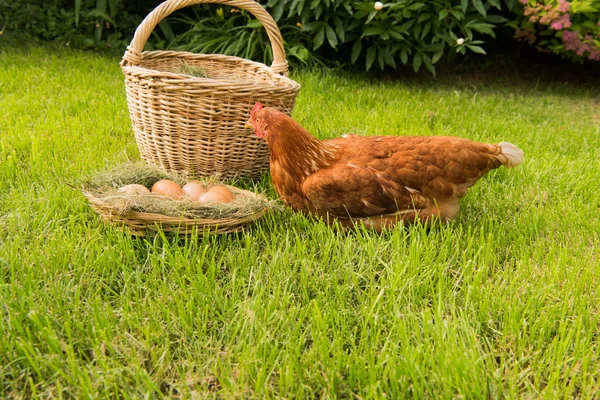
x=513, y=154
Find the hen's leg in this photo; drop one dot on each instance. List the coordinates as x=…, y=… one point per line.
x=445, y=210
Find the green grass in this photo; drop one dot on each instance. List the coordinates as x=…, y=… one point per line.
x=503, y=302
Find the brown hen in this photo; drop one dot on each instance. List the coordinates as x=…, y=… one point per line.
x=376, y=180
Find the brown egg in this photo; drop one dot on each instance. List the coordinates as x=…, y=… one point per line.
x=193, y=190
x=166, y=187
x=134, y=188
x=223, y=191
x=213, y=197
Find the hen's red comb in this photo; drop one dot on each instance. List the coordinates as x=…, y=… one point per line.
x=257, y=107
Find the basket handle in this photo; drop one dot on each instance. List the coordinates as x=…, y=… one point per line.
x=133, y=54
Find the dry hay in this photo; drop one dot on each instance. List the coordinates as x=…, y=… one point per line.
x=105, y=185
x=183, y=68
x=186, y=69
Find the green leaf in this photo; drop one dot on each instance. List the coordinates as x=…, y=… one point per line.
x=403, y=56
x=417, y=30
x=496, y=19
x=389, y=59
x=314, y=4
x=495, y=3
x=356, y=49
x=339, y=28
x=426, y=30
x=278, y=10
x=417, y=60
x=331, y=37
x=354, y=24
x=166, y=28
x=464, y=4
x=371, y=56
x=294, y=9
x=416, y=6
x=380, y=58
x=374, y=30
x=348, y=7
x=476, y=49
x=437, y=55
x=311, y=26
x=100, y=11
x=318, y=11
x=424, y=17
x=428, y=64
x=371, y=16
x=396, y=35
x=361, y=14
x=479, y=7
x=483, y=28
x=408, y=24
x=77, y=12
x=443, y=14
x=254, y=24
x=303, y=54
x=456, y=14
x=319, y=38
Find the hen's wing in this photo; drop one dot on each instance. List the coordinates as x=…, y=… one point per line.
x=351, y=191
x=382, y=175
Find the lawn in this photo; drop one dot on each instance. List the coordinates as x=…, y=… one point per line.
x=502, y=302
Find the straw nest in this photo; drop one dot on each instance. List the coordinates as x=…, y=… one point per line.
x=143, y=212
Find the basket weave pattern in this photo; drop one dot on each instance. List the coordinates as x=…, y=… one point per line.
x=196, y=125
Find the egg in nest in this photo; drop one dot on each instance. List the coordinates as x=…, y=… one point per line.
x=193, y=190
x=166, y=187
x=224, y=192
x=134, y=189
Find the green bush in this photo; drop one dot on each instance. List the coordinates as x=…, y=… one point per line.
x=85, y=23
x=357, y=32
x=569, y=29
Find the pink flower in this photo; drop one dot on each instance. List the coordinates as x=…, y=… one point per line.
x=562, y=22
x=582, y=49
x=523, y=1
x=563, y=6
x=573, y=43
x=571, y=40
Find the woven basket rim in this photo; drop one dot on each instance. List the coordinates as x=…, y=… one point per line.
x=178, y=79
x=276, y=80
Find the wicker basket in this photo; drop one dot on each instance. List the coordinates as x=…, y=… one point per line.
x=141, y=223
x=196, y=125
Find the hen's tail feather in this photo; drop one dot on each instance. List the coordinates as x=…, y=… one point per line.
x=513, y=155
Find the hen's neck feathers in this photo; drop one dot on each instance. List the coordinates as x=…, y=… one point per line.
x=296, y=150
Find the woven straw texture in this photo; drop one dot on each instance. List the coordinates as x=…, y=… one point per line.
x=194, y=124
x=141, y=223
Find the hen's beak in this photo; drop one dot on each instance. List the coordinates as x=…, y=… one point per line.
x=248, y=126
